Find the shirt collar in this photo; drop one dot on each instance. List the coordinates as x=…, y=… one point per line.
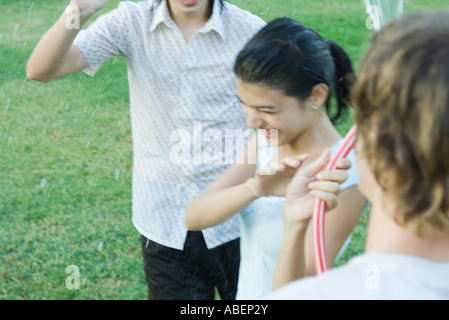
x=215, y=22
x=161, y=15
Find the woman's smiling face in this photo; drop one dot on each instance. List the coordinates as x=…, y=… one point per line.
x=269, y=108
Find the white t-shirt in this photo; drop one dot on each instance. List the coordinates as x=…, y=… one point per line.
x=374, y=276
x=183, y=105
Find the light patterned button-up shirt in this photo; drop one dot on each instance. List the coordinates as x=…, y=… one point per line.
x=183, y=107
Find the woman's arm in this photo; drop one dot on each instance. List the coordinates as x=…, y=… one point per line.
x=295, y=258
x=227, y=195
x=239, y=186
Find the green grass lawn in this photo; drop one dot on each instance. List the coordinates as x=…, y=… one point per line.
x=66, y=156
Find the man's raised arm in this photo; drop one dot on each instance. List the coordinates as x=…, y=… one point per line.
x=55, y=55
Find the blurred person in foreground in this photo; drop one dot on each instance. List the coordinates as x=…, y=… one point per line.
x=402, y=113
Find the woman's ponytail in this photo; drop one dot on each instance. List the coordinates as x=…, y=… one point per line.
x=344, y=78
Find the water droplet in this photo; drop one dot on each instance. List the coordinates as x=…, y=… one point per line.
x=29, y=10
x=117, y=174
x=8, y=102
x=44, y=184
x=16, y=28
x=266, y=10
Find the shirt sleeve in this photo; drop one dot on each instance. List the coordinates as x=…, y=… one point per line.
x=105, y=38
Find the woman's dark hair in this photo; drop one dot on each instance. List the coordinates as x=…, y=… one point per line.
x=291, y=57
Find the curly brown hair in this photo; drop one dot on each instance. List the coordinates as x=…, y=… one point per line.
x=401, y=99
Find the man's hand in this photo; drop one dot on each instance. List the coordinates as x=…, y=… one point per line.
x=90, y=6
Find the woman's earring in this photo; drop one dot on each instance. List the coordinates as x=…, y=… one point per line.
x=314, y=107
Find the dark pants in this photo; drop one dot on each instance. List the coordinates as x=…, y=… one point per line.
x=192, y=273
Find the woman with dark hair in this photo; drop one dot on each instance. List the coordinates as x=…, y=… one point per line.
x=286, y=78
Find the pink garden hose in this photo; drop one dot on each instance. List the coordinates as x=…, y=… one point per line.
x=381, y=12
x=319, y=246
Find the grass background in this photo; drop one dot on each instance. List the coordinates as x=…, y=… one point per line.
x=66, y=156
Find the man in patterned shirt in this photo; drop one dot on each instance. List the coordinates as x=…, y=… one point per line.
x=180, y=56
